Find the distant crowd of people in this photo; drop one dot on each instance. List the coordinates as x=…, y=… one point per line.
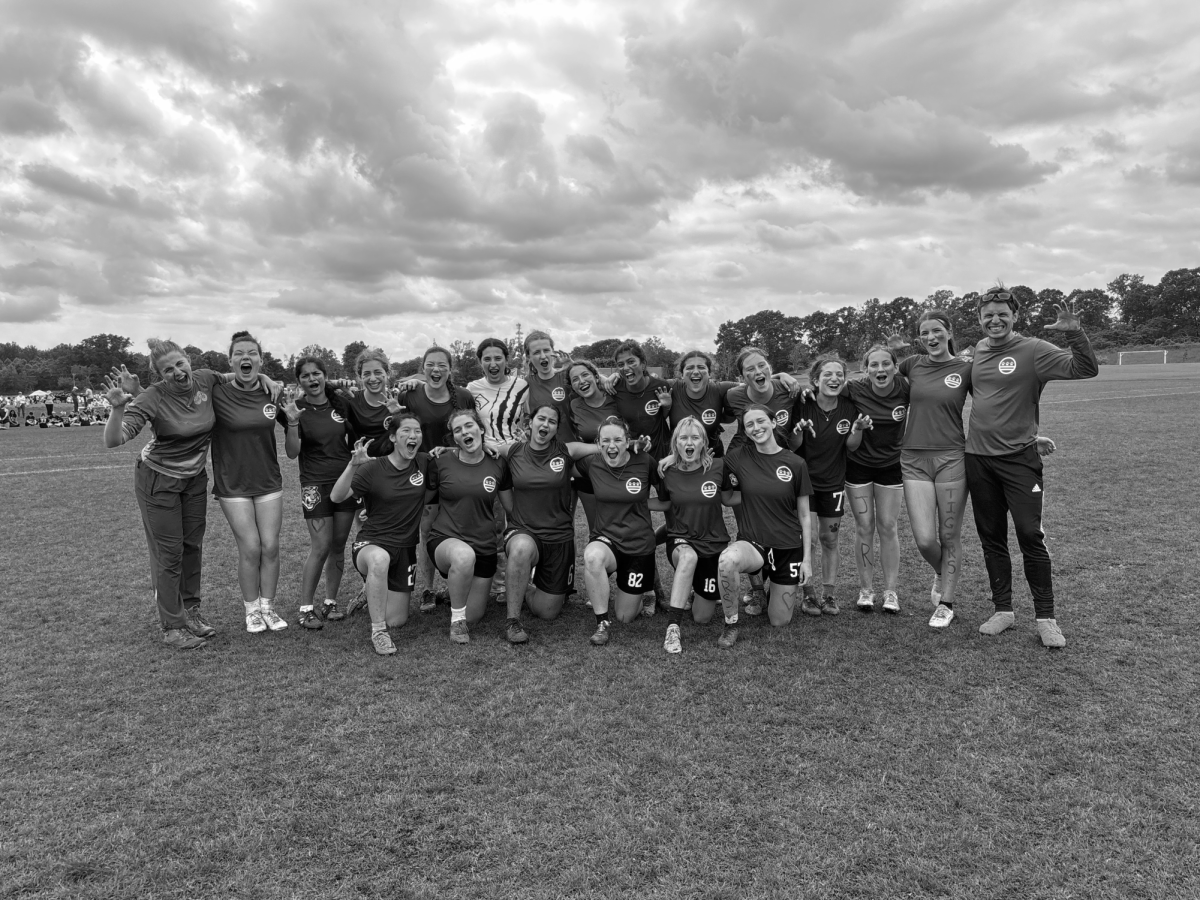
x=42, y=409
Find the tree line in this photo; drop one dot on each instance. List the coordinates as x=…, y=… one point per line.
x=1128, y=312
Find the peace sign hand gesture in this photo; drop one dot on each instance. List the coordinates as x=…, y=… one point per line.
x=1067, y=321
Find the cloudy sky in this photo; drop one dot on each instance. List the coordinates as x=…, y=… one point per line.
x=409, y=171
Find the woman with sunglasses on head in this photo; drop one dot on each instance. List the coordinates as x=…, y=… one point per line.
x=622, y=536
x=827, y=427
x=691, y=491
x=319, y=433
x=247, y=482
x=541, y=507
x=873, y=478
x=774, y=530
x=394, y=491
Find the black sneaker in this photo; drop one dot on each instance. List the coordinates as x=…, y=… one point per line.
x=309, y=619
x=428, y=601
x=515, y=633
x=182, y=639
x=332, y=611
x=196, y=623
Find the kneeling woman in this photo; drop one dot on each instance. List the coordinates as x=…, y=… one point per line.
x=462, y=538
x=696, y=533
x=622, y=537
x=541, y=535
x=394, y=491
x=774, y=532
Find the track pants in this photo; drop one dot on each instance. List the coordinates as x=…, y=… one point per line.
x=174, y=513
x=1000, y=485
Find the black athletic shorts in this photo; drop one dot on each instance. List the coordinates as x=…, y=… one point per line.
x=828, y=504
x=704, y=579
x=485, y=563
x=635, y=574
x=317, y=504
x=780, y=566
x=402, y=573
x=885, y=476
x=554, y=571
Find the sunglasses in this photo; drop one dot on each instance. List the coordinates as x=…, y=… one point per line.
x=998, y=295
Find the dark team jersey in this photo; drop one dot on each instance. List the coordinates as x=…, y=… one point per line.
x=780, y=405
x=393, y=498
x=554, y=391
x=543, y=499
x=696, y=507
x=366, y=421
x=622, y=495
x=466, y=493
x=586, y=420
x=244, y=454
x=770, y=484
x=937, y=393
x=640, y=409
x=433, y=416
x=707, y=409
x=881, y=442
x=825, y=454
x=181, y=421
x=325, y=441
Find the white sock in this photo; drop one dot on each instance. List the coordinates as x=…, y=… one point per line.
x=251, y=607
x=731, y=620
x=458, y=615
x=306, y=608
x=330, y=600
x=377, y=627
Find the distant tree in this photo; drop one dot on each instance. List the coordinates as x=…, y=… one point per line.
x=602, y=349
x=1137, y=302
x=332, y=362
x=273, y=368
x=351, y=350
x=212, y=359
x=768, y=329
x=464, y=363
x=801, y=358
x=658, y=354
x=1179, y=291
x=405, y=368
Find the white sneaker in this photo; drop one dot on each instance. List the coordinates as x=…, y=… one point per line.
x=942, y=616
x=1050, y=634
x=255, y=623
x=269, y=617
x=359, y=601
x=672, y=644
x=891, y=603
x=866, y=601
x=999, y=623
x=935, y=592
x=383, y=644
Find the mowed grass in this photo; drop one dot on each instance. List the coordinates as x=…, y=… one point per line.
x=849, y=757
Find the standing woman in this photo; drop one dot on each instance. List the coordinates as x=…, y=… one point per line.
x=873, y=476
x=462, y=542
x=696, y=535
x=393, y=489
x=591, y=407
x=622, y=537
x=774, y=531
x=546, y=383
x=541, y=507
x=372, y=407
x=642, y=399
x=169, y=480
x=932, y=456
x=828, y=427
x=320, y=434
x=247, y=480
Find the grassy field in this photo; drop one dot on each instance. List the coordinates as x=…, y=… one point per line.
x=852, y=757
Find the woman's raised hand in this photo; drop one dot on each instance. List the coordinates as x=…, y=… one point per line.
x=862, y=423
x=290, y=409
x=360, y=456
x=663, y=393
x=805, y=425
x=115, y=394
x=127, y=380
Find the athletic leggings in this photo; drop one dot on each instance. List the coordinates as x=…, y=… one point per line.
x=1000, y=485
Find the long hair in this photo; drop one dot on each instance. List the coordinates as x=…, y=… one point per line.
x=689, y=422
x=587, y=364
x=450, y=385
x=745, y=353
x=821, y=362
x=938, y=315
x=876, y=348
x=160, y=349
x=335, y=398
x=367, y=354
x=694, y=354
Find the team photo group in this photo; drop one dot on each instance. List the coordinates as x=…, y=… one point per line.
x=478, y=483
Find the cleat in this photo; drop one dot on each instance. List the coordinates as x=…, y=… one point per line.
x=428, y=601
x=672, y=643
x=459, y=632
x=935, y=592
x=269, y=616
x=382, y=642
x=332, y=611
x=942, y=616
x=1051, y=634
x=866, y=601
x=310, y=620
x=829, y=606
x=515, y=633
x=649, y=605
x=755, y=602
x=498, y=598
x=1000, y=622
x=891, y=603
x=359, y=601
x=182, y=639
x=810, y=606
x=196, y=623
x=728, y=637
x=600, y=637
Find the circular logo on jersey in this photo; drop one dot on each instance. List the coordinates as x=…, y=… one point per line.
x=634, y=485
x=558, y=394
x=899, y=413
x=652, y=408
x=709, y=416
x=489, y=484
x=781, y=418
x=709, y=489
x=269, y=411
x=843, y=427
x=201, y=397
x=1007, y=366
x=733, y=479
x=336, y=416
x=310, y=497
x=417, y=478
x=783, y=473
x=557, y=464
x=953, y=381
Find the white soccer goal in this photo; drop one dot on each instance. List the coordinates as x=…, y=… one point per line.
x=1141, y=357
